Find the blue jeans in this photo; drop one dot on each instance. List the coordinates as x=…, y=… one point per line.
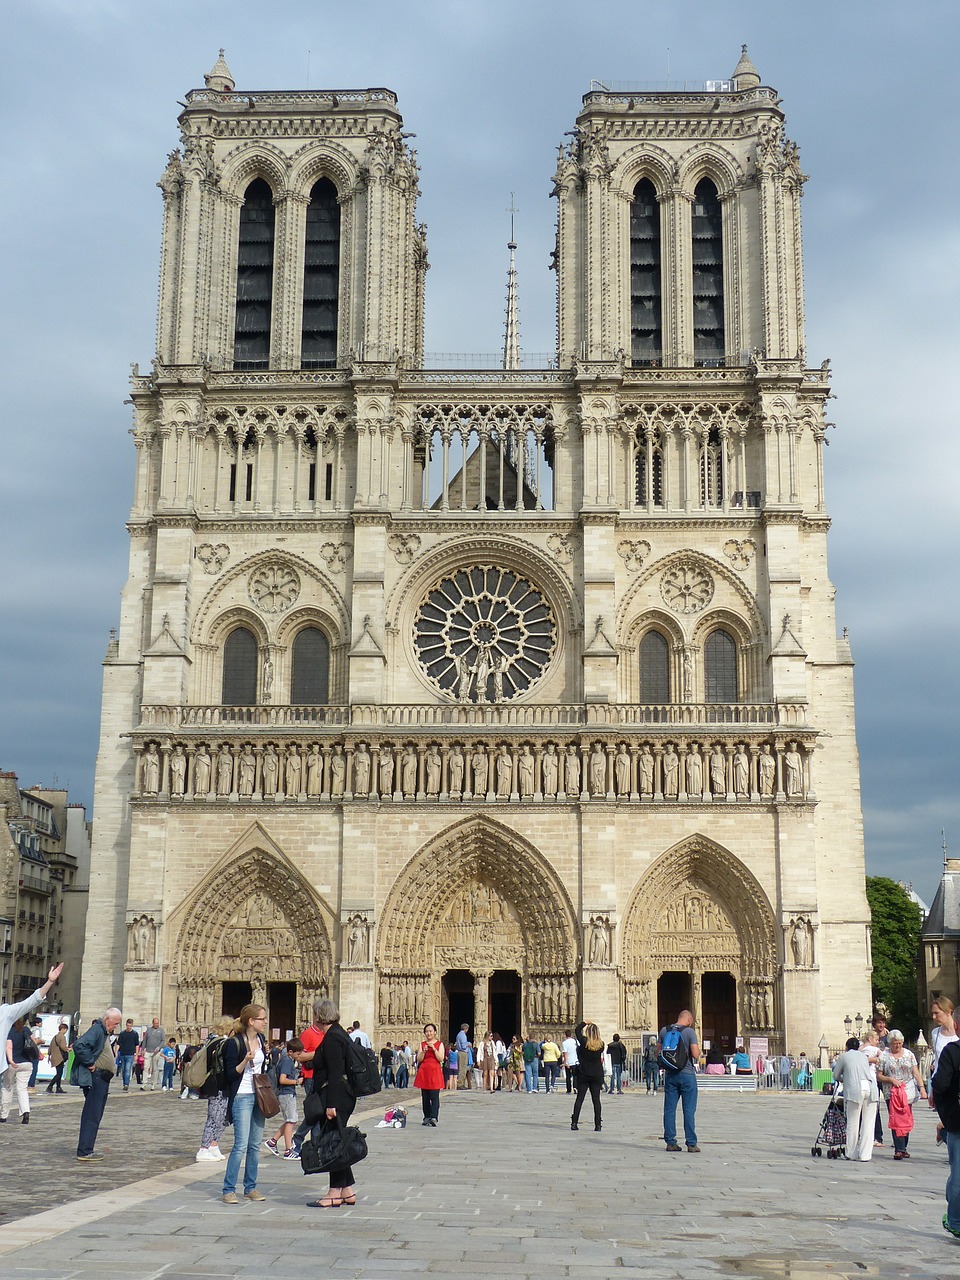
x=247, y=1135
x=168, y=1075
x=651, y=1074
x=531, y=1077
x=616, y=1077
x=953, y=1182
x=94, y=1101
x=402, y=1076
x=679, y=1086
x=551, y=1072
x=126, y=1066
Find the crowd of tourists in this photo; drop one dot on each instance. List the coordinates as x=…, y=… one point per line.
x=246, y=1080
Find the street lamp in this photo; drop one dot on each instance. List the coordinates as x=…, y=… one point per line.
x=848, y=1024
x=859, y=1021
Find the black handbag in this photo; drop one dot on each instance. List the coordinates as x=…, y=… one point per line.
x=332, y=1146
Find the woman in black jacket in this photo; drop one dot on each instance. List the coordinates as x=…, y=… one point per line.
x=589, y=1071
x=338, y=1099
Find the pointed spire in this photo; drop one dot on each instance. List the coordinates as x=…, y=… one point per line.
x=219, y=77
x=745, y=74
x=511, y=334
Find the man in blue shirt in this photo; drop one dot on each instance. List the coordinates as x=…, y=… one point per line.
x=463, y=1056
x=680, y=1086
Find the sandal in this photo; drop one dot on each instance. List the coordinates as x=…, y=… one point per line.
x=349, y=1200
x=326, y=1203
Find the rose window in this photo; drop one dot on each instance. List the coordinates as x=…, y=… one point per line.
x=686, y=588
x=274, y=588
x=484, y=635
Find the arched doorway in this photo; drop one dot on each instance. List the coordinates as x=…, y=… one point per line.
x=477, y=922
x=254, y=928
x=699, y=934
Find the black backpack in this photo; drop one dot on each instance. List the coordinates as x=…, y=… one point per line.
x=362, y=1073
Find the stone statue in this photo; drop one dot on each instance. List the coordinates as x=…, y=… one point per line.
x=178, y=771
x=741, y=771
x=314, y=770
x=386, y=771
x=799, y=941
x=224, y=771
x=504, y=773
x=694, y=773
x=687, y=676
x=361, y=771
x=268, y=679
x=718, y=771
x=497, y=672
x=599, y=950
x=482, y=671
x=151, y=770
x=293, y=772
x=622, y=763
x=646, y=772
x=338, y=772
x=357, y=945
x=768, y=768
x=794, y=766
x=433, y=763
x=271, y=770
x=142, y=932
x=671, y=773
x=478, y=762
x=464, y=677
x=572, y=772
x=455, y=770
x=525, y=772
x=549, y=770
x=598, y=770
x=247, y=772
x=201, y=772
x=408, y=772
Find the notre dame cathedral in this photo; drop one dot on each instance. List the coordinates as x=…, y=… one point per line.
x=491, y=695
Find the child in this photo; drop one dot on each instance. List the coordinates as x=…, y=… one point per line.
x=170, y=1055
x=288, y=1073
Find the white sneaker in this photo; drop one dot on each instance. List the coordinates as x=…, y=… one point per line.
x=216, y=1153
x=204, y=1154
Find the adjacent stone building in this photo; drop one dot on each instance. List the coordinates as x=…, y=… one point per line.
x=939, y=966
x=489, y=695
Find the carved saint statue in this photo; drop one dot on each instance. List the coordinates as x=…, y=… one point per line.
x=293, y=772
x=178, y=771
x=268, y=679
x=455, y=770
x=646, y=772
x=141, y=940
x=478, y=762
x=549, y=769
x=357, y=945
x=525, y=772
x=718, y=771
x=361, y=771
x=271, y=770
x=598, y=770
x=464, y=678
x=572, y=772
x=741, y=771
x=799, y=942
x=497, y=673
x=247, y=772
x=482, y=671
x=386, y=771
x=671, y=773
x=338, y=771
x=433, y=763
x=694, y=773
x=409, y=772
x=224, y=771
x=622, y=763
x=504, y=773
x=768, y=768
x=599, y=950
x=151, y=770
x=314, y=769
x=794, y=766
x=201, y=772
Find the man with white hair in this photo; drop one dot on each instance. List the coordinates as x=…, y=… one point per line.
x=9, y=1013
x=94, y=1066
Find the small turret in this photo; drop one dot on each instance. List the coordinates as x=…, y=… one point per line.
x=220, y=79
x=745, y=74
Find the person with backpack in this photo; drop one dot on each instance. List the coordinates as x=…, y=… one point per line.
x=214, y=1089
x=330, y=1081
x=678, y=1049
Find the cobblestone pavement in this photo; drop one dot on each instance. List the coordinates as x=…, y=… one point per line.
x=500, y=1188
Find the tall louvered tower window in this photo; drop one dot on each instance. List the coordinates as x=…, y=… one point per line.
x=646, y=290
x=321, y=278
x=708, y=339
x=251, y=343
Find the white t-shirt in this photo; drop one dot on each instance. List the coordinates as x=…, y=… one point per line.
x=569, y=1048
x=246, y=1084
x=940, y=1042
x=361, y=1037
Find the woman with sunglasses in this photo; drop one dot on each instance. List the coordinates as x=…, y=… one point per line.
x=244, y=1055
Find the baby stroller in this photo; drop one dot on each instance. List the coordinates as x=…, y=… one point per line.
x=833, y=1128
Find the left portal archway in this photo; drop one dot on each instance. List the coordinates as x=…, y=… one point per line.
x=255, y=920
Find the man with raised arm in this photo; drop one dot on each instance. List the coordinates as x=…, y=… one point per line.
x=9, y=1013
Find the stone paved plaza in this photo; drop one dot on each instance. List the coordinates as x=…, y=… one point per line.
x=501, y=1188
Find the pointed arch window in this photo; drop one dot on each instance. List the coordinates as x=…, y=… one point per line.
x=310, y=679
x=708, y=311
x=649, y=478
x=646, y=289
x=711, y=469
x=239, y=687
x=251, y=339
x=321, y=278
x=720, y=668
x=654, y=669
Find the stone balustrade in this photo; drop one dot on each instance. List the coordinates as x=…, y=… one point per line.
x=684, y=767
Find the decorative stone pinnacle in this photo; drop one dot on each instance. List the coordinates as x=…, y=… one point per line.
x=745, y=74
x=219, y=76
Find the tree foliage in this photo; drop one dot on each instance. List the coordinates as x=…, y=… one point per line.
x=897, y=921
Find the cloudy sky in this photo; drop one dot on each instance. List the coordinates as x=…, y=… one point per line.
x=89, y=107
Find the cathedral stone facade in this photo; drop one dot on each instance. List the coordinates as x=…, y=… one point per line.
x=500, y=696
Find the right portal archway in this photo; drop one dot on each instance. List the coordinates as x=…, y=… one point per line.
x=699, y=931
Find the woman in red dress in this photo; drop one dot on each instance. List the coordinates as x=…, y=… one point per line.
x=429, y=1077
